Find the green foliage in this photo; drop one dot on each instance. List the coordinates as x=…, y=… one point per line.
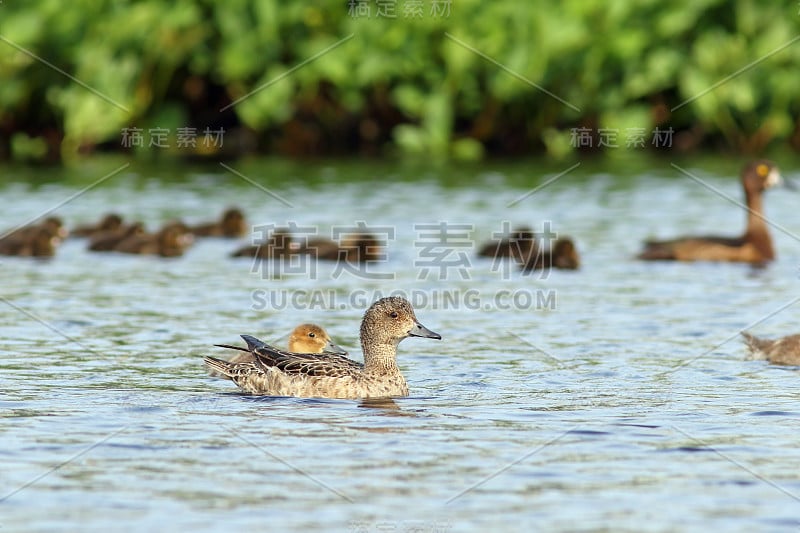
x=472, y=77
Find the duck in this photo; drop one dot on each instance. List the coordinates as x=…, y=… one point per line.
x=53, y=225
x=754, y=246
x=562, y=254
x=305, y=338
x=353, y=248
x=783, y=351
x=230, y=225
x=276, y=372
x=520, y=245
x=279, y=244
x=105, y=241
x=40, y=243
x=109, y=222
x=170, y=241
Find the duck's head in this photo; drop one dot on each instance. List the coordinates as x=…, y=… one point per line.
x=111, y=221
x=311, y=338
x=390, y=320
x=761, y=175
x=565, y=254
x=233, y=223
x=55, y=226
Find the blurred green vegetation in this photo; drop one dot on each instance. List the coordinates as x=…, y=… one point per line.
x=443, y=79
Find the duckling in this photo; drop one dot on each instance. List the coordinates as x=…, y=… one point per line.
x=755, y=246
x=53, y=225
x=109, y=222
x=520, y=245
x=783, y=351
x=170, y=241
x=231, y=224
x=354, y=248
x=563, y=254
x=275, y=372
x=105, y=241
x=305, y=338
x=279, y=244
x=40, y=243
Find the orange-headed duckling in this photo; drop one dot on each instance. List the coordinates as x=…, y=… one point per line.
x=520, y=245
x=278, y=244
x=353, y=248
x=105, y=241
x=755, y=246
x=38, y=242
x=562, y=254
x=230, y=225
x=109, y=222
x=305, y=338
x=783, y=351
x=171, y=241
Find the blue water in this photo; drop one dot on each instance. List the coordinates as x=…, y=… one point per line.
x=620, y=400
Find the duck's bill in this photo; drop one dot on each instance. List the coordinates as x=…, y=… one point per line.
x=791, y=185
x=421, y=331
x=774, y=179
x=332, y=348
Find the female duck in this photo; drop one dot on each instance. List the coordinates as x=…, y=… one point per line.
x=783, y=351
x=275, y=372
x=755, y=246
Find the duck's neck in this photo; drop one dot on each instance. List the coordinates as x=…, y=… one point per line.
x=380, y=359
x=757, y=231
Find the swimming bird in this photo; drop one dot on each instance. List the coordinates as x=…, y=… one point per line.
x=279, y=244
x=170, y=241
x=105, y=241
x=278, y=373
x=520, y=245
x=563, y=254
x=109, y=222
x=305, y=338
x=34, y=240
x=230, y=225
x=755, y=246
x=783, y=351
x=39, y=243
x=352, y=248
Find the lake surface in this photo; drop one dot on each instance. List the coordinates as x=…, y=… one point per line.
x=614, y=398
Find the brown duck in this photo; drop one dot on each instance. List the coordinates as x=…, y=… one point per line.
x=305, y=338
x=36, y=243
x=783, y=351
x=105, y=241
x=171, y=241
x=520, y=245
x=563, y=254
x=755, y=246
x=353, y=248
x=109, y=222
x=278, y=244
x=230, y=225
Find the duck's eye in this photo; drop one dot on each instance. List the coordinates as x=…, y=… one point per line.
x=312, y=334
x=393, y=314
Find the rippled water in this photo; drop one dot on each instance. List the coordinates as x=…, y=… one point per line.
x=627, y=404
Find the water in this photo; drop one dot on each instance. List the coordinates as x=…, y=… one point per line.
x=623, y=401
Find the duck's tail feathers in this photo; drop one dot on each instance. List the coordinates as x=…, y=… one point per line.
x=218, y=366
x=232, y=347
x=755, y=345
x=252, y=342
